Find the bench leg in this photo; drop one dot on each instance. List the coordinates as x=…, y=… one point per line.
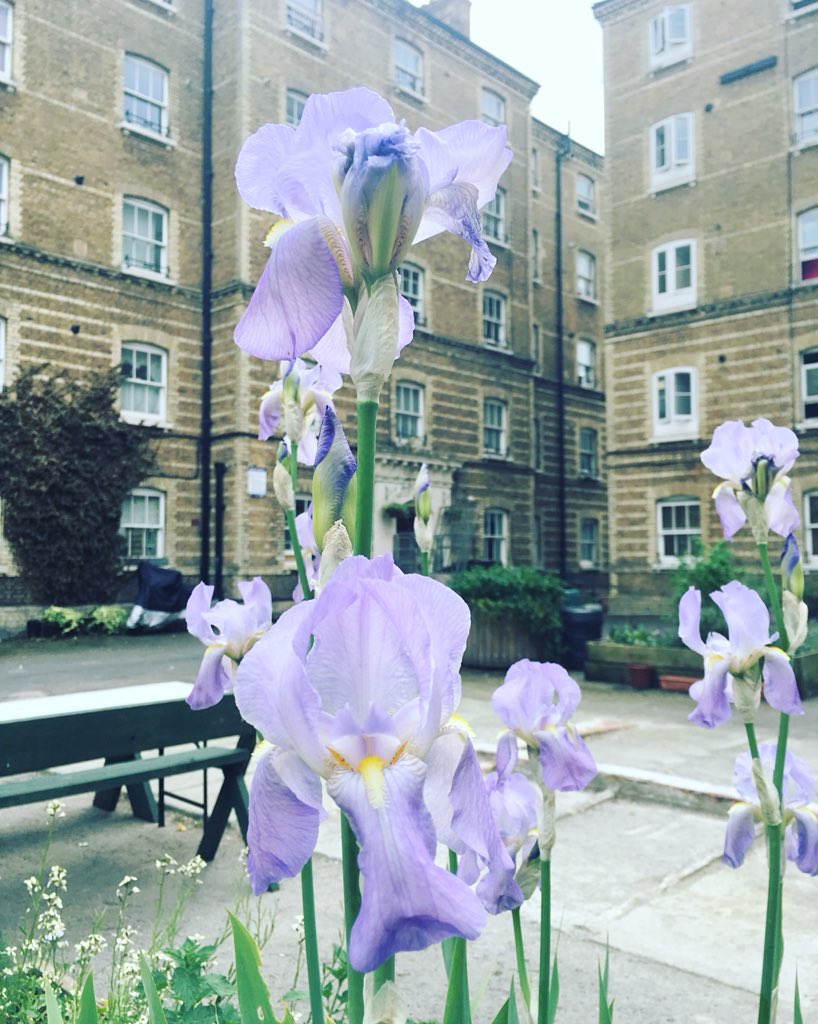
x=232, y=797
x=142, y=800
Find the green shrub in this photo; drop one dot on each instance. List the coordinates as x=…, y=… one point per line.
x=522, y=597
x=68, y=619
x=635, y=636
x=108, y=618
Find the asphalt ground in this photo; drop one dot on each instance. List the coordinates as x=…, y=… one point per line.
x=637, y=862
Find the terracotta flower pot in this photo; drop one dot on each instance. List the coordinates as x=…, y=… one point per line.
x=641, y=676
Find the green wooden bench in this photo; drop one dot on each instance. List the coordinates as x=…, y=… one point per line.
x=131, y=730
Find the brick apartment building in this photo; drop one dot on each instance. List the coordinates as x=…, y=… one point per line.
x=712, y=258
x=115, y=249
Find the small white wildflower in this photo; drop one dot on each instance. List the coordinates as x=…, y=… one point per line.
x=193, y=868
x=54, y=809
x=298, y=926
x=166, y=864
x=58, y=877
x=32, y=884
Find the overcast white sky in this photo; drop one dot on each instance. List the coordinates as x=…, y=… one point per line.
x=558, y=43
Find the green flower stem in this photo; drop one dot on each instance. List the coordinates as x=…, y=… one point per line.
x=311, y=944
x=773, y=596
x=752, y=742
x=367, y=421
x=545, y=940
x=303, y=579
x=424, y=563
x=519, y=949
x=352, y=904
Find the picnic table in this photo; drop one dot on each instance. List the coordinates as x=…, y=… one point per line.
x=140, y=733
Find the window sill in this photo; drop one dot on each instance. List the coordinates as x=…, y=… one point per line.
x=657, y=187
x=587, y=299
x=498, y=243
x=168, y=8
x=801, y=144
x=588, y=566
x=410, y=443
x=809, y=283
x=801, y=11
x=404, y=90
x=128, y=128
x=305, y=37
x=587, y=215
x=657, y=66
x=147, y=275
x=496, y=456
x=138, y=420
x=682, y=307
x=498, y=346
x=8, y=85
x=593, y=478
x=676, y=435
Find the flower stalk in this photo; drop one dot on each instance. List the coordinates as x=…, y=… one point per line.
x=311, y=942
x=367, y=423
x=289, y=515
x=519, y=950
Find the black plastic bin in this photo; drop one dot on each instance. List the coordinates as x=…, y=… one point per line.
x=582, y=623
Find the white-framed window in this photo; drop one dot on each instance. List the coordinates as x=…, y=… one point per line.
x=296, y=102
x=809, y=385
x=144, y=386
x=144, y=236
x=672, y=160
x=492, y=107
x=674, y=275
x=678, y=529
x=494, y=318
x=495, y=535
x=411, y=284
x=493, y=217
x=4, y=194
x=302, y=503
x=535, y=255
x=586, y=275
x=2, y=353
x=588, y=448
x=305, y=17
x=586, y=363
x=674, y=403
x=494, y=426
x=808, y=246
x=408, y=411
x=806, y=106
x=586, y=195
x=811, y=528
x=670, y=40
x=143, y=524
x=6, y=37
x=535, y=170
x=588, y=543
x=408, y=67
x=145, y=102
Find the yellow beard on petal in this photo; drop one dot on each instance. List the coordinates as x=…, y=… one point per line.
x=371, y=771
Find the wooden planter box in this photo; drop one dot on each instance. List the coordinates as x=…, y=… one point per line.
x=609, y=663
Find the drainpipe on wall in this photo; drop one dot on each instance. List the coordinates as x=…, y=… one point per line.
x=563, y=150
x=205, y=438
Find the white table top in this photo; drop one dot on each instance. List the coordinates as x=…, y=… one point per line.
x=92, y=700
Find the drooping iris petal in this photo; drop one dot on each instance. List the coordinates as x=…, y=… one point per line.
x=285, y=812
x=198, y=605
x=780, y=510
x=408, y=902
x=802, y=840
x=740, y=833
x=711, y=696
x=780, y=684
x=213, y=679
x=565, y=760
x=731, y=514
x=454, y=208
x=290, y=311
x=258, y=602
x=473, y=822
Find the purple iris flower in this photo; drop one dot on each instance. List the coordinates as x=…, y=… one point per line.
x=229, y=629
x=356, y=687
x=753, y=462
x=355, y=189
x=536, y=701
x=733, y=670
x=300, y=397
x=800, y=821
